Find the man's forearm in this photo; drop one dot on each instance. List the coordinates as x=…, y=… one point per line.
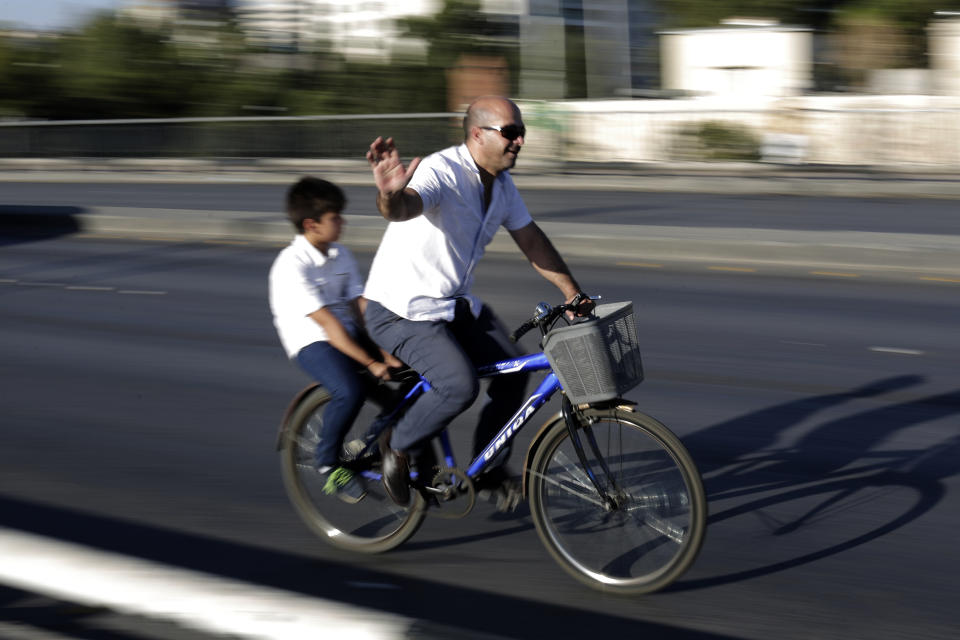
x=399, y=206
x=561, y=277
x=547, y=261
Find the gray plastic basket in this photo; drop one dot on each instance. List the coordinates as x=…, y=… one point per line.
x=599, y=359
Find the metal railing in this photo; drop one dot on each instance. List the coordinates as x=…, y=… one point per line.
x=240, y=137
x=633, y=131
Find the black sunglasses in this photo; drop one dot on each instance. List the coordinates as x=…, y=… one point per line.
x=511, y=132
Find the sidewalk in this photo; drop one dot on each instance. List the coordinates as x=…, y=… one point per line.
x=890, y=255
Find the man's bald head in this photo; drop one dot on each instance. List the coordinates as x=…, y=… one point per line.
x=489, y=110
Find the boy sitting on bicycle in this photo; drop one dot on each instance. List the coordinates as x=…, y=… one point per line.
x=315, y=298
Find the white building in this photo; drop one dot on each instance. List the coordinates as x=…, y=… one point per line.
x=149, y=11
x=944, y=39
x=742, y=58
x=357, y=29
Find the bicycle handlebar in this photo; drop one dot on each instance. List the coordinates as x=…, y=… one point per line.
x=521, y=330
x=546, y=314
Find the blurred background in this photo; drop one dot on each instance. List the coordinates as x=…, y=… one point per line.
x=775, y=187
x=851, y=82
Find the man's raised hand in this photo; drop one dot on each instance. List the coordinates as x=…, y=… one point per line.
x=390, y=175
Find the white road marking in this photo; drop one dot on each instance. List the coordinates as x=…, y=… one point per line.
x=737, y=269
x=835, y=274
x=89, y=288
x=196, y=600
x=41, y=284
x=7, y=281
x=905, y=352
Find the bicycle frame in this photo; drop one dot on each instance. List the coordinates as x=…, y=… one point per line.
x=544, y=391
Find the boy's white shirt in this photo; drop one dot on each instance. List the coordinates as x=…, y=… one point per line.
x=302, y=281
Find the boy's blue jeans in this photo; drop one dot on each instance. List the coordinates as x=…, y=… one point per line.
x=342, y=377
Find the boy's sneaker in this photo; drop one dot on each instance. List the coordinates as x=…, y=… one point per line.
x=344, y=484
x=352, y=449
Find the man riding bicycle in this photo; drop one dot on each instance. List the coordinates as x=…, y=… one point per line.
x=443, y=212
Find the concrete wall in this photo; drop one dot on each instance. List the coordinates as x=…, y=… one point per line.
x=841, y=130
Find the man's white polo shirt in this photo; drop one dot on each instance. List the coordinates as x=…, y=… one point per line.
x=303, y=280
x=423, y=265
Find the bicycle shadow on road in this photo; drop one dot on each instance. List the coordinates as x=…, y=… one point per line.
x=820, y=481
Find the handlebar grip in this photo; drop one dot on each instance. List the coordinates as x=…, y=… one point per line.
x=524, y=328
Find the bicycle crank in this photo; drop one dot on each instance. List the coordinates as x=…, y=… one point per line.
x=448, y=486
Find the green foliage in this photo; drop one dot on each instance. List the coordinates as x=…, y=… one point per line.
x=683, y=14
x=459, y=28
x=112, y=68
x=715, y=140
x=907, y=19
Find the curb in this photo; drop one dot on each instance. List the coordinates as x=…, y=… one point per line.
x=884, y=254
x=709, y=178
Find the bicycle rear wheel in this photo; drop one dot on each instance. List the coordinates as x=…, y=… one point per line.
x=653, y=530
x=374, y=524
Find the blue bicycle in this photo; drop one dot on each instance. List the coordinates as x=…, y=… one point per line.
x=614, y=495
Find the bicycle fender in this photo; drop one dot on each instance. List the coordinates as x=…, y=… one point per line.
x=619, y=403
x=297, y=399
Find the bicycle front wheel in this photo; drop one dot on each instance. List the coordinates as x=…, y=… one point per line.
x=372, y=525
x=649, y=531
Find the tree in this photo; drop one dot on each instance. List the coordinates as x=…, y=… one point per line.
x=459, y=29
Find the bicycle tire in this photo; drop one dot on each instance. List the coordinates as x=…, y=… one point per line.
x=656, y=530
x=373, y=525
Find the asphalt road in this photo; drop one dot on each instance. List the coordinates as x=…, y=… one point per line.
x=785, y=212
x=143, y=384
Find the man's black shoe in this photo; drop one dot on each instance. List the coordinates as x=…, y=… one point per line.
x=395, y=470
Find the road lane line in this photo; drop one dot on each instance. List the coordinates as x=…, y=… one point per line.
x=193, y=599
x=738, y=269
x=7, y=281
x=905, y=352
x=89, y=288
x=41, y=284
x=170, y=239
x=835, y=274
x=936, y=279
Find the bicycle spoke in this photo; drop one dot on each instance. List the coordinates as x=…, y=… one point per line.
x=374, y=523
x=650, y=531
x=658, y=524
x=577, y=477
x=570, y=491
